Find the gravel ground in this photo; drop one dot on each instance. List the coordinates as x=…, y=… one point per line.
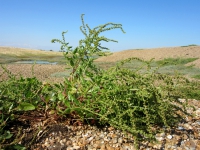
x=42, y=72
x=185, y=136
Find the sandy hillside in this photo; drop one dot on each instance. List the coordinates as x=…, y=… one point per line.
x=157, y=53
x=21, y=51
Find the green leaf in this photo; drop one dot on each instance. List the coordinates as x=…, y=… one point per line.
x=19, y=147
x=6, y=135
x=67, y=103
x=67, y=111
x=71, y=63
x=26, y=106
x=61, y=96
x=70, y=97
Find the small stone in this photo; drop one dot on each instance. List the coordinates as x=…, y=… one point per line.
x=177, y=137
x=198, y=145
x=159, y=138
x=116, y=145
x=181, y=100
x=43, y=146
x=157, y=146
x=185, y=137
x=114, y=140
x=196, y=134
x=108, y=147
x=69, y=142
x=187, y=126
x=97, y=145
x=79, y=133
x=170, y=137
x=120, y=140
x=162, y=134
x=90, y=147
x=197, y=112
x=127, y=146
x=101, y=136
x=46, y=144
x=69, y=148
x=76, y=147
x=110, y=129
x=91, y=138
x=168, y=146
x=174, y=147
x=197, y=122
x=180, y=128
x=103, y=147
x=114, y=136
x=190, y=144
x=106, y=139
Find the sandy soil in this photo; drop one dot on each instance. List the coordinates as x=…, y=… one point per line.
x=157, y=53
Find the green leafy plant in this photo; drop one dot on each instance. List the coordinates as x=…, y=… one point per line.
x=176, y=61
x=120, y=97
x=197, y=76
x=189, y=45
x=19, y=96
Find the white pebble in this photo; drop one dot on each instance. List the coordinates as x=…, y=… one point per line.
x=169, y=137
x=91, y=138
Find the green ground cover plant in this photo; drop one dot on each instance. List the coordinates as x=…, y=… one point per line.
x=197, y=76
x=126, y=99
x=175, y=61
x=189, y=45
x=168, y=66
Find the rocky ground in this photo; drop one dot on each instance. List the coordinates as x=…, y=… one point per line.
x=54, y=134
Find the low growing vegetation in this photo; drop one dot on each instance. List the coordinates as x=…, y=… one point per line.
x=126, y=99
x=189, y=45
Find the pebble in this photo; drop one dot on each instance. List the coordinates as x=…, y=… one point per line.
x=186, y=136
x=169, y=137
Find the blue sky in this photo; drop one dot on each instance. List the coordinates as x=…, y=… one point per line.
x=147, y=23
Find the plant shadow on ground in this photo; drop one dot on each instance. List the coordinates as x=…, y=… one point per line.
x=131, y=96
